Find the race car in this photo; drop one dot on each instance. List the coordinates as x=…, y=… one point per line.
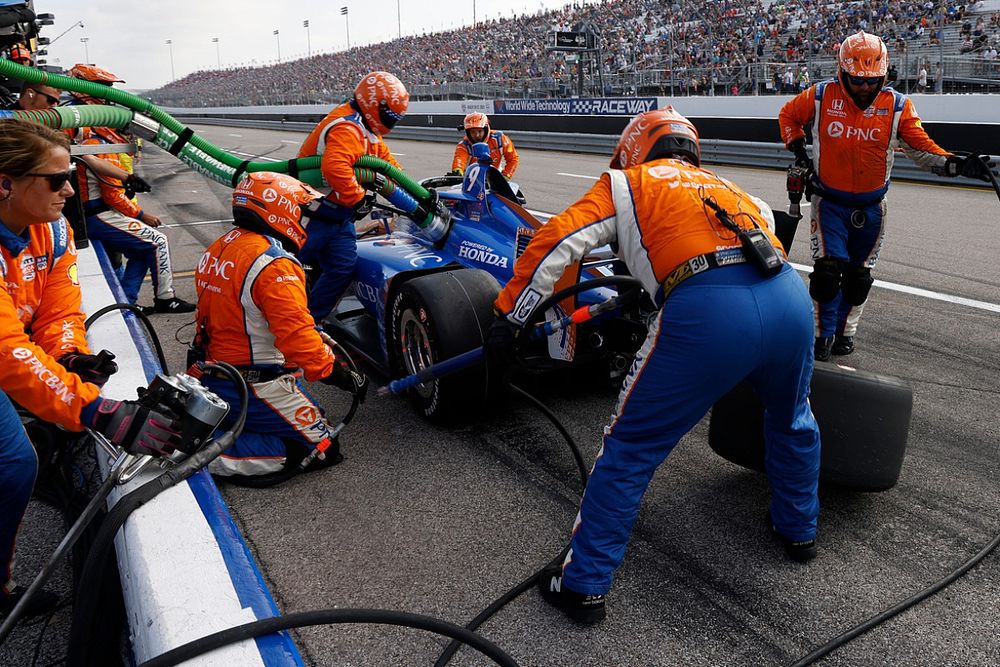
x=421, y=297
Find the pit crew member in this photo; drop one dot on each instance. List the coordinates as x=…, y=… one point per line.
x=477, y=130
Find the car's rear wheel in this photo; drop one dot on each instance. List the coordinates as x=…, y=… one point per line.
x=436, y=317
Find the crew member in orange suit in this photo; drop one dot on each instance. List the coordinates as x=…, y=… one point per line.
x=253, y=313
x=723, y=317
x=353, y=129
x=856, y=124
x=477, y=130
x=45, y=364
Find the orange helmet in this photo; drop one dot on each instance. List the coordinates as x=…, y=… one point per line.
x=275, y=201
x=96, y=74
x=20, y=53
x=476, y=120
x=382, y=100
x=863, y=55
x=655, y=134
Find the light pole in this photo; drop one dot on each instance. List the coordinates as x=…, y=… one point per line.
x=53, y=40
x=278, y=40
x=399, y=24
x=86, y=51
x=347, y=22
x=218, y=58
x=305, y=24
x=170, y=44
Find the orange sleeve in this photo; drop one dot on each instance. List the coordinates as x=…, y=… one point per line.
x=33, y=378
x=58, y=323
x=510, y=158
x=565, y=238
x=795, y=114
x=344, y=145
x=280, y=293
x=111, y=192
x=461, y=159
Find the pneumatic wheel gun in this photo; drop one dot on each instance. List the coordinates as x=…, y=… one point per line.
x=795, y=183
x=198, y=410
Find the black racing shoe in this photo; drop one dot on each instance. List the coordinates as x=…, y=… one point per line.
x=172, y=305
x=41, y=602
x=797, y=550
x=843, y=346
x=587, y=609
x=824, y=345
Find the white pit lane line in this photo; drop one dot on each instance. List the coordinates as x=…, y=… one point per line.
x=895, y=287
x=589, y=178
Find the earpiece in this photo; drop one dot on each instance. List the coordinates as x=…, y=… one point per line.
x=5, y=184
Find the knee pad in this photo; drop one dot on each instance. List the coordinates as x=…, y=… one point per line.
x=858, y=282
x=824, y=281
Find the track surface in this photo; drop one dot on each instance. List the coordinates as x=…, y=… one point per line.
x=442, y=522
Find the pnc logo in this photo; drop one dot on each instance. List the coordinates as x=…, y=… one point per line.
x=21, y=353
x=835, y=129
x=269, y=195
x=307, y=415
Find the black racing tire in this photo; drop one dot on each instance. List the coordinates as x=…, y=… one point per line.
x=863, y=418
x=436, y=317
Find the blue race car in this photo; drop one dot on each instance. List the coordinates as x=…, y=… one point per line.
x=422, y=296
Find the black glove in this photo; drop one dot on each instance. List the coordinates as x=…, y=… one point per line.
x=801, y=155
x=95, y=368
x=137, y=429
x=135, y=184
x=973, y=166
x=501, y=344
x=353, y=382
x=364, y=207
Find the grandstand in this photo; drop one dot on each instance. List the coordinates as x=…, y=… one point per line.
x=644, y=47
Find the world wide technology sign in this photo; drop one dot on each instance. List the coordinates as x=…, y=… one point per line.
x=601, y=106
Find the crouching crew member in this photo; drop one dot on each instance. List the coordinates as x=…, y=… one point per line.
x=253, y=313
x=722, y=319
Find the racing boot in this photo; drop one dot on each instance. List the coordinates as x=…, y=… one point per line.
x=797, y=550
x=824, y=346
x=587, y=609
x=843, y=346
x=171, y=305
x=41, y=602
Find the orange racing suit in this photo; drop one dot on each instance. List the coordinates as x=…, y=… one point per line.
x=340, y=138
x=252, y=313
x=720, y=320
x=41, y=322
x=502, y=151
x=853, y=152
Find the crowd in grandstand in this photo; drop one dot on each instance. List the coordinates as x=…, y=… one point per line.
x=699, y=46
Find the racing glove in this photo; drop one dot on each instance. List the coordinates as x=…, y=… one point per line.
x=364, y=207
x=974, y=166
x=94, y=368
x=501, y=343
x=342, y=377
x=454, y=172
x=134, y=184
x=801, y=155
x=135, y=428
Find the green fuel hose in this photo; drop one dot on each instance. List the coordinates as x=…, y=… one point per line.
x=170, y=134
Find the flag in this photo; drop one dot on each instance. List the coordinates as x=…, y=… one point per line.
x=343, y=11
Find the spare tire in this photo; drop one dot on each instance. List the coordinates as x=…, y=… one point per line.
x=864, y=420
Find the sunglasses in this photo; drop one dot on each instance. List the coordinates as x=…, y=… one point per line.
x=56, y=180
x=48, y=98
x=859, y=80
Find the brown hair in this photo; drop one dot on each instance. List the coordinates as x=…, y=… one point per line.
x=24, y=146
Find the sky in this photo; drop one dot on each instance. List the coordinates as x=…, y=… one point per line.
x=129, y=37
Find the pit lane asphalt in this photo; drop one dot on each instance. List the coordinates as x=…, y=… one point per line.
x=443, y=521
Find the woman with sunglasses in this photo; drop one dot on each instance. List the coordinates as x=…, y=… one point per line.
x=856, y=123
x=45, y=364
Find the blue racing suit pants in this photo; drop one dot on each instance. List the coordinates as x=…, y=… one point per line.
x=280, y=414
x=18, y=467
x=715, y=329
x=145, y=248
x=854, y=236
x=332, y=247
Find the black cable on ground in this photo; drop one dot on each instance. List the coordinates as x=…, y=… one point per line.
x=544, y=409
x=328, y=617
x=137, y=311
x=920, y=596
x=95, y=571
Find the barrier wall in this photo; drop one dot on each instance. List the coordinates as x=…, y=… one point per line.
x=186, y=571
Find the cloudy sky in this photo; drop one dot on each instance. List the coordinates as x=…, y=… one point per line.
x=129, y=37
